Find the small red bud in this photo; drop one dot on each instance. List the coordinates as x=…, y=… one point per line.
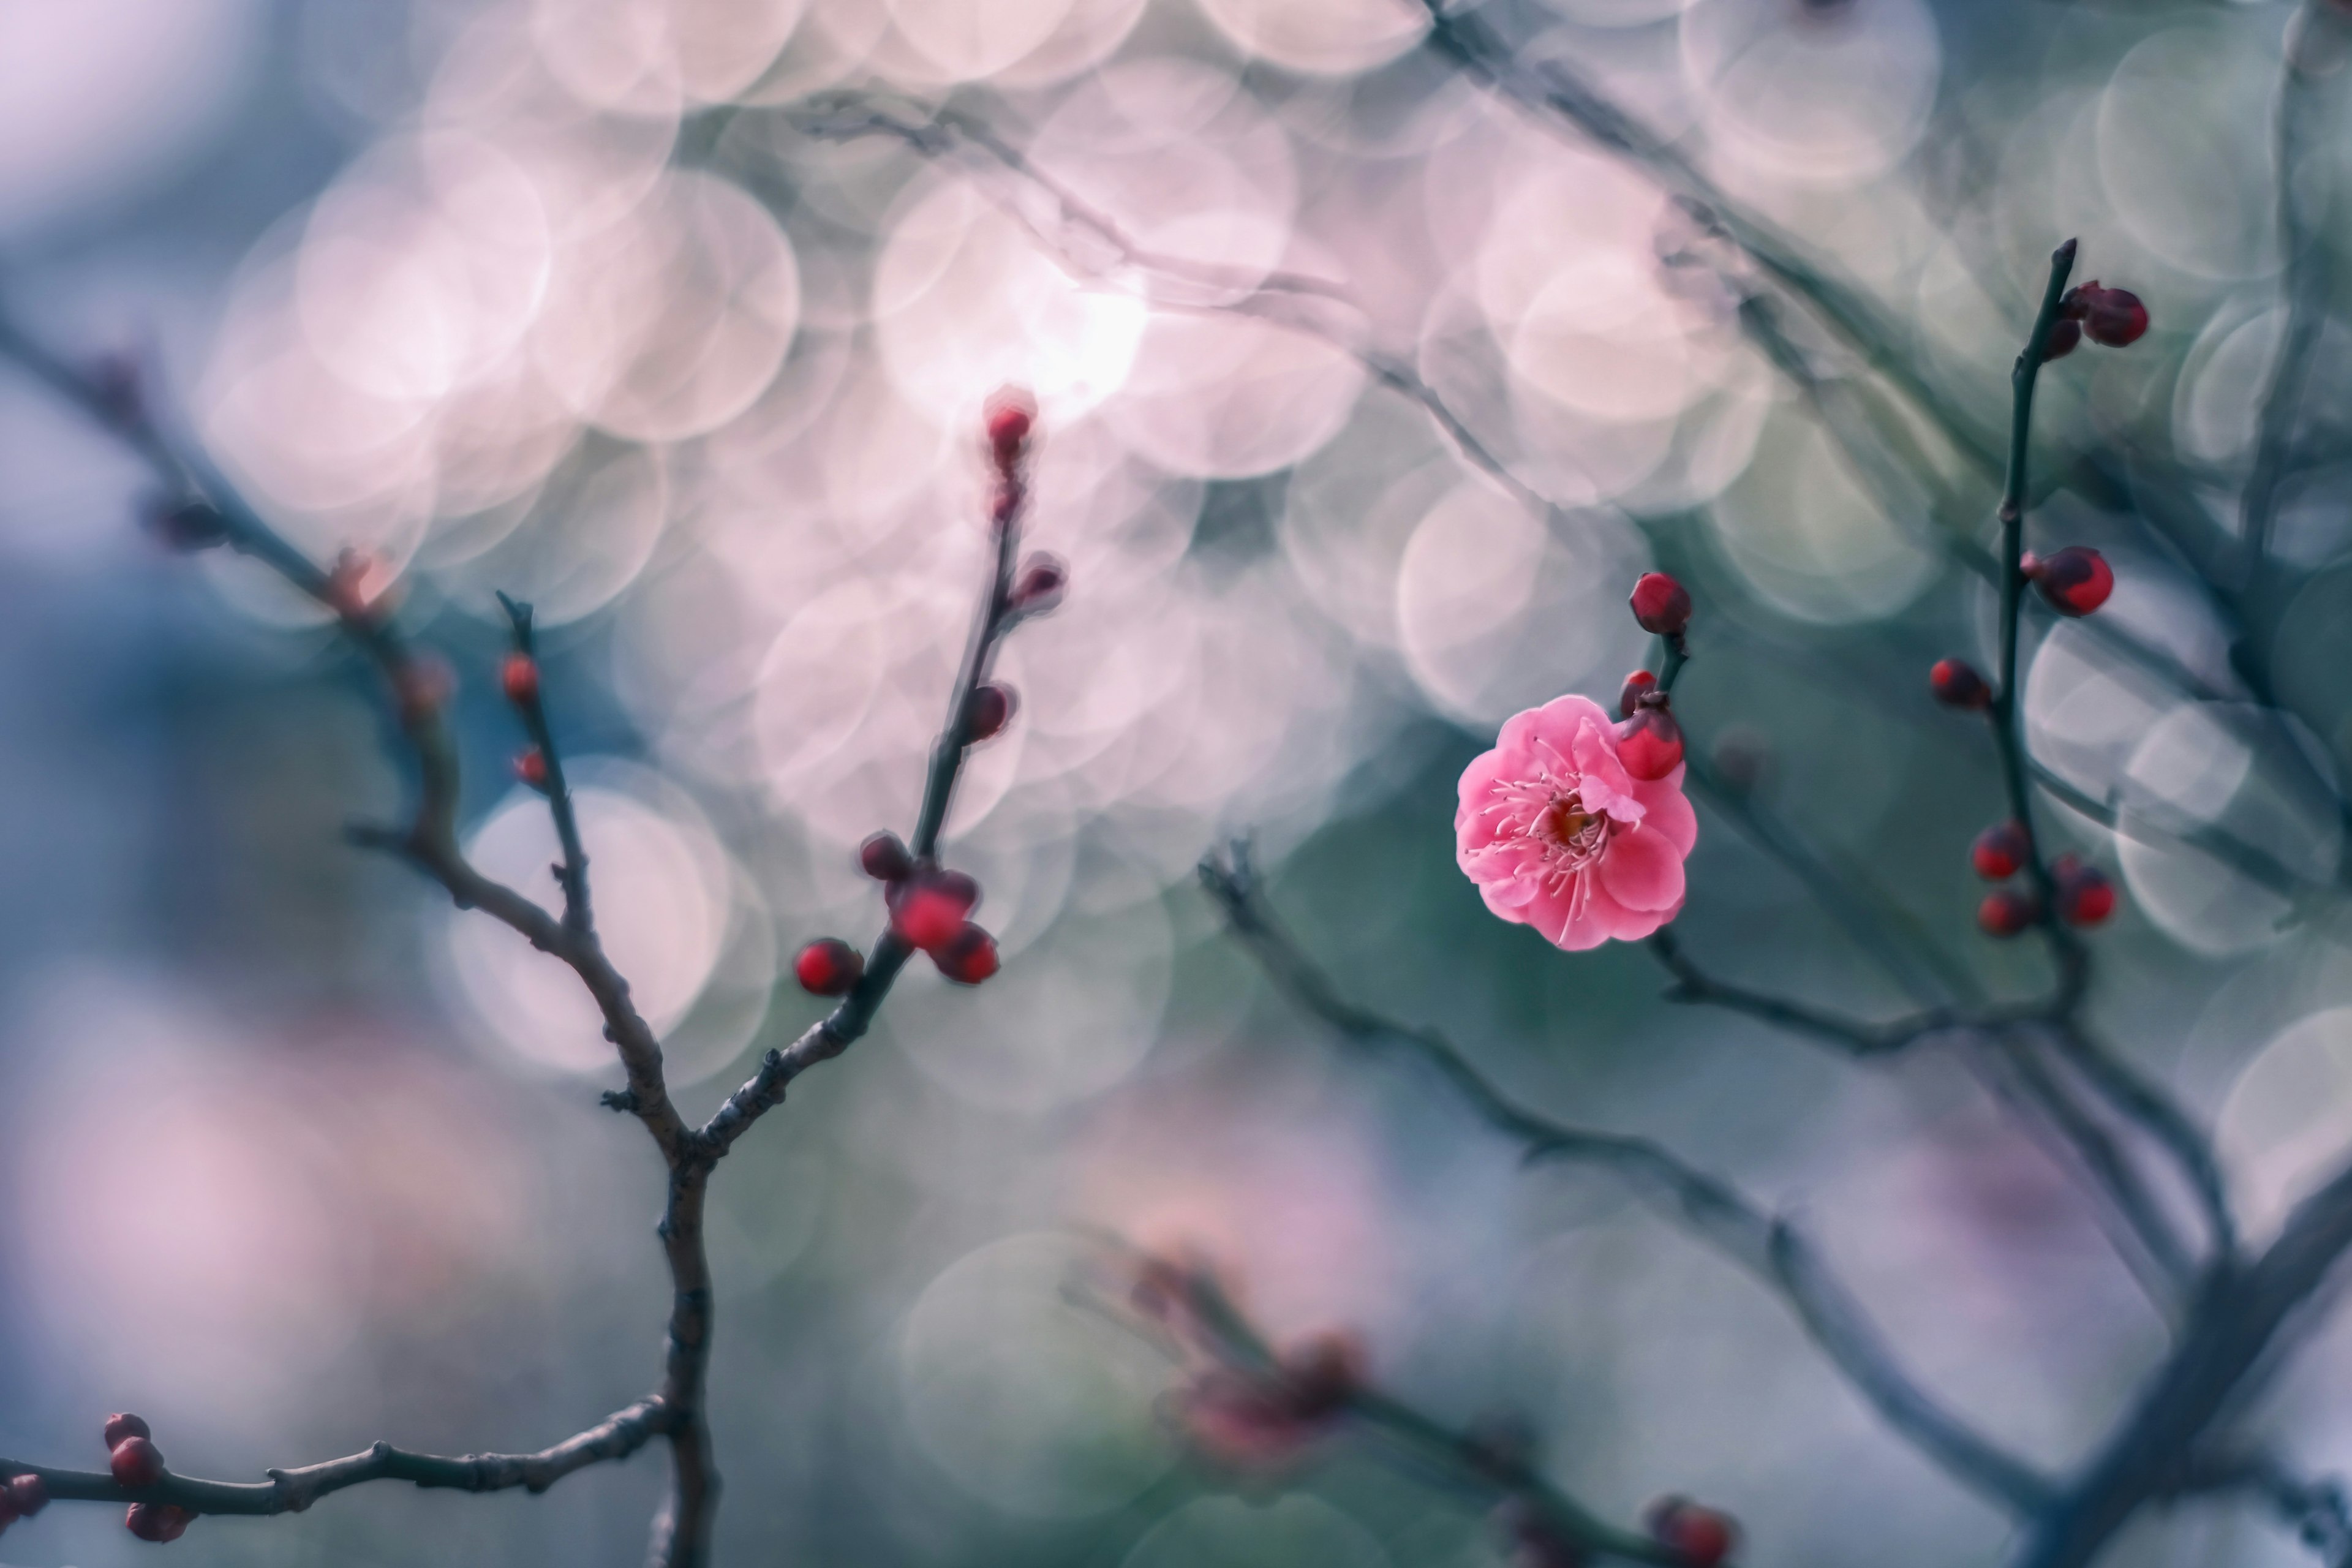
x=1637, y=683
x=2086, y=897
x=1999, y=851
x=1702, y=1536
x=27, y=1495
x=1661, y=605
x=1650, y=744
x=884, y=858
x=531, y=768
x=2006, y=911
x=136, y=1462
x=1957, y=684
x=928, y=911
x=991, y=709
x=1039, y=586
x=123, y=1425
x=157, y=1521
x=1012, y=413
x=828, y=967
x=969, y=957
x=2114, y=317
x=2076, y=581
x=520, y=677
x=2065, y=336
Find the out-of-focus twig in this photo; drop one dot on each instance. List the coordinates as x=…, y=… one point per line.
x=1765, y=1244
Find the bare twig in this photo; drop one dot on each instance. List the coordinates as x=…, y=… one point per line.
x=1765, y=1244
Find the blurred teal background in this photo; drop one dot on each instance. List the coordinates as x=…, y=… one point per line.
x=558, y=297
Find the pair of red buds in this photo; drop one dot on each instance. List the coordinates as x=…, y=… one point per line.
x=137, y=1464
x=1650, y=743
x=931, y=910
x=2114, y=317
x=2084, y=896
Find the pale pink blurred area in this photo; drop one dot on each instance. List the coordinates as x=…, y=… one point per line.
x=222, y=1214
x=101, y=101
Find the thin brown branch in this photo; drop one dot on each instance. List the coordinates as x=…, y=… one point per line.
x=1766, y=1245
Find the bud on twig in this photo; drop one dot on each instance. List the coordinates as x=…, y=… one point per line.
x=2086, y=897
x=1637, y=685
x=157, y=1521
x=885, y=858
x=989, y=710
x=518, y=676
x=828, y=967
x=927, y=909
x=969, y=957
x=1957, y=684
x=1650, y=743
x=531, y=767
x=2074, y=582
x=136, y=1462
x=125, y=1425
x=1999, y=851
x=1661, y=605
x=1701, y=1536
x=2007, y=911
x=27, y=1496
x=1039, y=586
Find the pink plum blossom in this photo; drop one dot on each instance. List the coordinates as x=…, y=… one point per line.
x=1559, y=835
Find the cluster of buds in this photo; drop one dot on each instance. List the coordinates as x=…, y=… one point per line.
x=1700, y=1537
x=21, y=1497
x=2086, y=897
x=1649, y=742
x=931, y=910
x=136, y=1465
x=2113, y=317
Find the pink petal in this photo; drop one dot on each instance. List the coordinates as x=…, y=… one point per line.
x=1555, y=724
x=1668, y=811
x=1508, y=899
x=1642, y=871
x=1607, y=786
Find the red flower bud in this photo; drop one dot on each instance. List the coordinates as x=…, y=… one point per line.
x=1636, y=684
x=2111, y=316
x=1999, y=851
x=118, y=1427
x=531, y=768
x=968, y=957
x=1957, y=684
x=989, y=710
x=828, y=967
x=157, y=1521
x=136, y=1462
x=1039, y=586
x=27, y=1495
x=2065, y=335
x=1661, y=605
x=2086, y=897
x=927, y=912
x=1700, y=1536
x=1650, y=744
x=2006, y=911
x=1012, y=413
x=520, y=676
x=884, y=858
x=2076, y=581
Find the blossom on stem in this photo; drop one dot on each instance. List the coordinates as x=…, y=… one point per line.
x=1260, y=1418
x=1558, y=833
